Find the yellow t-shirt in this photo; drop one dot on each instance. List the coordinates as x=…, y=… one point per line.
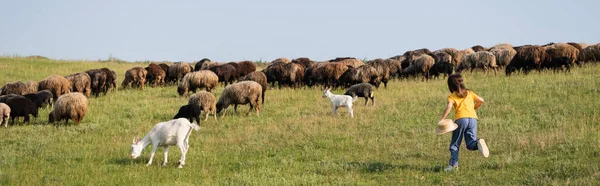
x=463, y=107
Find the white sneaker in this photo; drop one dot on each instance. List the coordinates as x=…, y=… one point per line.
x=483, y=148
x=451, y=168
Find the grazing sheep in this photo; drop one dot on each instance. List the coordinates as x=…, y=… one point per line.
x=441, y=67
x=18, y=88
x=348, y=61
x=189, y=112
x=364, y=90
x=3, y=98
x=32, y=87
x=260, y=78
x=395, y=67
x=206, y=101
x=201, y=65
x=69, y=106
x=305, y=62
x=457, y=55
x=136, y=76
x=421, y=65
x=501, y=45
x=165, y=134
x=21, y=107
x=559, y=55
x=478, y=48
x=338, y=101
x=200, y=79
x=98, y=78
x=503, y=55
x=37, y=100
x=482, y=59
x=81, y=83
x=383, y=71
x=468, y=51
x=225, y=72
x=590, y=53
x=165, y=68
x=4, y=114
x=528, y=57
x=47, y=98
x=178, y=70
x=241, y=93
x=56, y=84
x=246, y=67
x=156, y=75
x=330, y=72
x=111, y=80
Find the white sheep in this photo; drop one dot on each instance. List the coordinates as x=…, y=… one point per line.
x=165, y=134
x=338, y=101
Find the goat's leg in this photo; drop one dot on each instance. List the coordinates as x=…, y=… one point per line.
x=350, y=111
x=333, y=110
x=366, y=100
x=166, y=156
x=184, y=150
x=154, y=147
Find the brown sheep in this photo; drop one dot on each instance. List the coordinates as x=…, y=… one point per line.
x=395, y=67
x=18, y=88
x=241, y=93
x=559, y=55
x=305, y=62
x=281, y=59
x=331, y=72
x=502, y=45
x=468, y=51
x=111, y=80
x=4, y=114
x=457, y=55
x=32, y=87
x=199, y=79
x=503, y=55
x=81, y=83
x=98, y=78
x=527, y=58
x=478, y=48
x=348, y=61
x=421, y=64
x=383, y=71
x=260, y=78
x=226, y=73
x=56, y=84
x=178, y=70
x=136, y=76
x=201, y=64
x=482, y=59
x=362, y=74
x=590, y=53
x=155, y=75
x=246, y=67
x=311, y=77
x=206, y=101
x=69, y=106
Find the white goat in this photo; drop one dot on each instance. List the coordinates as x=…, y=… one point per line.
x=338, y=101
x=165, y=134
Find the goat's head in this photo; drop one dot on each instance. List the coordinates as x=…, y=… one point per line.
x=326, y=92
x=136, y=148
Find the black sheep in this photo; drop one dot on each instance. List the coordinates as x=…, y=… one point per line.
x=21, y=107
x=37, y=100
x=441, y=68
x=190, y=112
x=98, y=78
x=226, y=73
x=364, y=90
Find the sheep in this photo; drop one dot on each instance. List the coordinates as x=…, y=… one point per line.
x=364, y=90
x=32, y=87
x=4, y=114
x=481, y=59
x=178, y=70
x=56, y=84
x=246, y=67
x=421, y=64
x=241, y=93
x=37, y=100
x=590, y=53
x=441, y=67
x=281, y=59
x=18, y=88
x=503, y=55
x=478, y=48
x=98, y=78
x=260, y=78
x=47, y=97
x=559, y=55
x=468, y=51
x=81, y=83
x=305, y=62
x=395, y=67
x=206, y=101
x=383, y=71
x=225, y=72
x=111, y=80
x=189, y=112
x=348, y=61
x=457, y=55
x=200, y=65
x=21, y=107
x=3, y=98
x=500, y=46
x=528, y=57
x=165, y=68
x=136, y=76
x=69, y=106
x=330, y=72
x=338, y=101
x=155, y=74
x=165, y=134
x=200, y=79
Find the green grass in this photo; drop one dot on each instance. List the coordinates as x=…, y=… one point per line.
x=542, y=129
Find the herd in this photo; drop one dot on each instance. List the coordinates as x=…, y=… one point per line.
x=244, y=83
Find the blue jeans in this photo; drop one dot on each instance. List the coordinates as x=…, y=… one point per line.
x=467, y=128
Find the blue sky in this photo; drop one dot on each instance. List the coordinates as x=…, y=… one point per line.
x=268, y=29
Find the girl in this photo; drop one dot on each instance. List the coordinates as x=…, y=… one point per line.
x=465, y=102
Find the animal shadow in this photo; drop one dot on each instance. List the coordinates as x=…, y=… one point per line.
x=375, y=167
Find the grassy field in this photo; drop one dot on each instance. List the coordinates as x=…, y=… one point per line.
x=542, y=129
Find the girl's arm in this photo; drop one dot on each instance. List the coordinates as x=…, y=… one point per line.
x=447, y=110
x=479, y=101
